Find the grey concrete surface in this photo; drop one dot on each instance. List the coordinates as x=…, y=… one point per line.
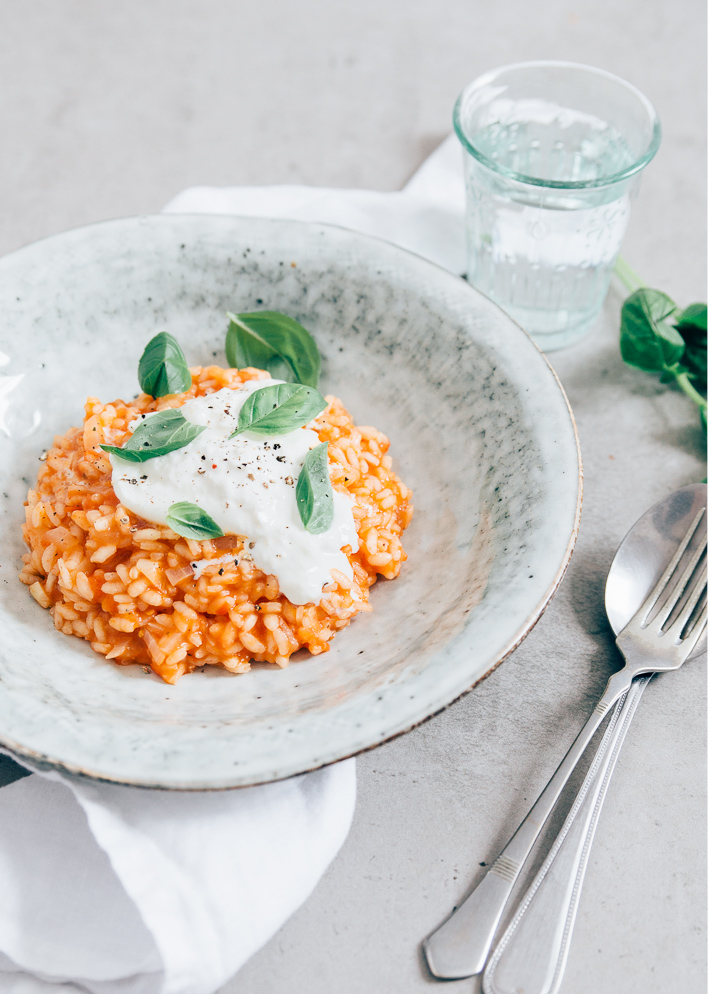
x=109, y=109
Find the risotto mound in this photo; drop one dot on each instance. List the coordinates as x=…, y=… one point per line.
x=127, y=586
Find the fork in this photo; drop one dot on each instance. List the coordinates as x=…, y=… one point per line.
x=532, y=953
x=650, y=643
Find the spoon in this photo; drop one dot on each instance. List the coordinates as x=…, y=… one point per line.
x=532, y=954
x=459, y=948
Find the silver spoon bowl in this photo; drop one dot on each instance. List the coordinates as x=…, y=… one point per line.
x=647, y=549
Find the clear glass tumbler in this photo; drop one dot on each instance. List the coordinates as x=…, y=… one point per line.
x=553, y=153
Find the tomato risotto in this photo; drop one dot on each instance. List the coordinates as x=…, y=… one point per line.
x=141, y=592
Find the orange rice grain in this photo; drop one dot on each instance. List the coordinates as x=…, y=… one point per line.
x=126, y=585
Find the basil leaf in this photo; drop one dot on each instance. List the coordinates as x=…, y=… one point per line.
x=314, y=492
x=157, y=435
x=648, y=341
x=191, y=521
x=278, y=409
x=162, y=369
x=694, y=316
x=275, y=342
x=693, y=327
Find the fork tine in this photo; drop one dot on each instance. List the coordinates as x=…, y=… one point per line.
x=681, y=585
x=650, y=601
x=660, y=587
x=676, y=629
x=695, y=634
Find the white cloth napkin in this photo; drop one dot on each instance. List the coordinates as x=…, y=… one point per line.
x=129, y=891
x=425, y=217
x=122, y=891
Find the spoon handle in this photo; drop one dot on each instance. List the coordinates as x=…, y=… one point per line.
x=532, y=954
x=460, y=946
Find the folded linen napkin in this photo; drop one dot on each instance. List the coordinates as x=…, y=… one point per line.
x=122, y=891
x=131, y=891
x=425, y=217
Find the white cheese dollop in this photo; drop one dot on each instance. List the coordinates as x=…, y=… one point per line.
x=247, y=485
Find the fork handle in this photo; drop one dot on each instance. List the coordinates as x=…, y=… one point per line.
x=532, y=954
x=460, y=946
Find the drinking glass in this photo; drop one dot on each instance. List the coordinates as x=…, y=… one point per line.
x=553, y=153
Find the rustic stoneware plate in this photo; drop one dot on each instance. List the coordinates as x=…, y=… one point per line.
x=480, y=430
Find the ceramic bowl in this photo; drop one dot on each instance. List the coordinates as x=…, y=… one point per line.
x=480, y=430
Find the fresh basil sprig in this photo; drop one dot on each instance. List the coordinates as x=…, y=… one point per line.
x=658, y=337
x=278, y=409
x=191, y=521
x=157, y=435
x=275, y=342
x=162, y=369
x=314, y=492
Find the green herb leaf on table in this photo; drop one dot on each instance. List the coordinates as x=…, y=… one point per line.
x=694, y=316
x=275, y=342
x=162, y=369
x=278, y=409
x=314, y=492
x=657, y=337
x=156, y=436
x=191, y=521
x=693, y=327
x=648, y=340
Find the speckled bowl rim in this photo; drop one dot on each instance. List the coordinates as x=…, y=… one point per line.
x=43, y=762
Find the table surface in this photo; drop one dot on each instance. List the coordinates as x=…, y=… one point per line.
x=112, y=109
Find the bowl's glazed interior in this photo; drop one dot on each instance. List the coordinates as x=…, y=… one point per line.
x=480, y=430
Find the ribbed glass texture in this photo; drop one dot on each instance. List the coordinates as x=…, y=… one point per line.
x=552, y=152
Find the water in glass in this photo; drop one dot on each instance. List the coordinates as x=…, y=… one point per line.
x=544, y=253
